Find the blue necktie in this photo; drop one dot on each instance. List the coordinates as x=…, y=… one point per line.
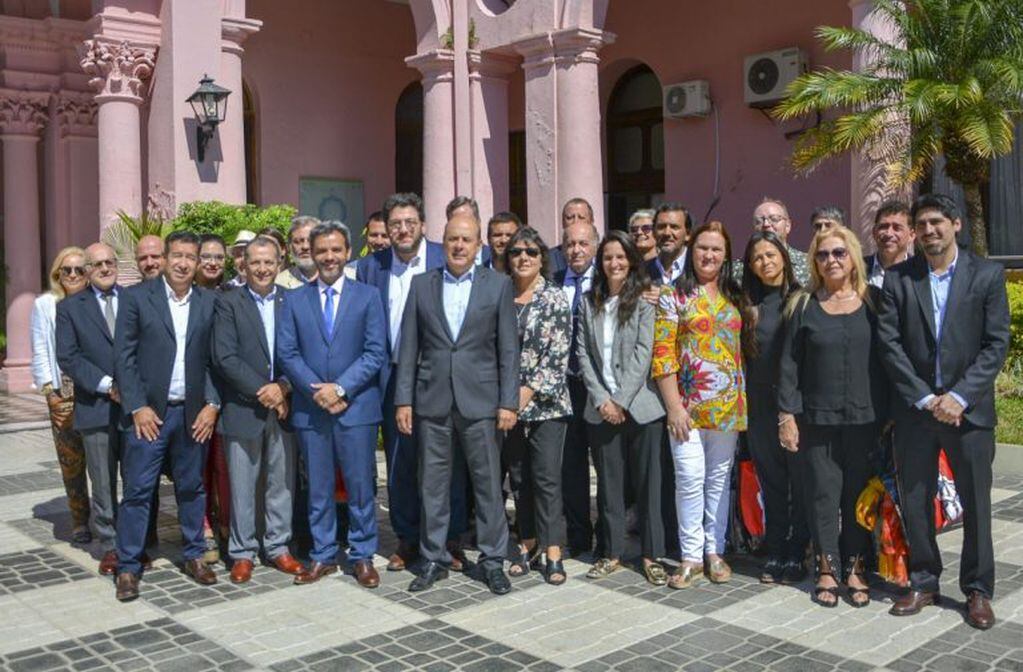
x=573, y=359
x=328, y=310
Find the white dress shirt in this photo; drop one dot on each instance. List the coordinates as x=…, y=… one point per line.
x=265, y=306
x=400, y=283
x=610, y=331
x=675, y=272
x=321, y=287
x=105, y=382
x=940, y=287
x=569, y=284
x=179, y=316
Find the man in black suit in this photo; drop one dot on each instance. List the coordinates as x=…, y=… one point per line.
x=944, y=331
x=458, y=377
x=169, y=405
x=580, y=244
x=672, y=226
x=575, y=211
x=893, y=236
x=85, y=351
x=258, y=443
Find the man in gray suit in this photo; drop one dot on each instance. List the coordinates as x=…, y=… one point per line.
x=458, y=376
x=258, y=445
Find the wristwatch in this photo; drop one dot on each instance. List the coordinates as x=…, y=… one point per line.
x=341, y=393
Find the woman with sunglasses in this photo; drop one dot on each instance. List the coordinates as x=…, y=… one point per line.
x=830, y=390
x=697, y=363
x=623, y=412
x=532, y=450
x=641, y=229
x=768, y=281
x=68, y=276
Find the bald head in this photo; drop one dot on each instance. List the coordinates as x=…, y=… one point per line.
x=461, y=242
x=101, y=264
x=149, y=256
x=580, y=245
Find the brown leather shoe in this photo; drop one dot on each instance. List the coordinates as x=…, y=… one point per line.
x=403, y=557
x=200, y=571
x=147, y=562
x=286, y=563
x=978, y=611
x=127, y=587
x=316, y=571
x=458, y=560
x=912, y=602
x=241, y=571
x=108, y=565
x=366, y=574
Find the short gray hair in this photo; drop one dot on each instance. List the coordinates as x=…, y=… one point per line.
x=328, y=227
x=263, y=241
x=301, y=221
x=645, y=213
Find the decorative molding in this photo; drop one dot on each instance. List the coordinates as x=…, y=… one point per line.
x=499, y=66
x=235, y=30
x=537, y=51
x=23, y=112
x=161, y=203
x=580, y=45
x=46, y=35
x=75, y=112
x=437, y=65
x=117, y=70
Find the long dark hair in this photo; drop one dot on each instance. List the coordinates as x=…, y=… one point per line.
x=530, y=236
x=751, y=284
x=636, y=281
x=687, y=284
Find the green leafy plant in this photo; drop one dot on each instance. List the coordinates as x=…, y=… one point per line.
x=951, y=83
x=1015, y=291
x=226, y=220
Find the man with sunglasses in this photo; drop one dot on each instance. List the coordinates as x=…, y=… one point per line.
x=944, y=332
x=85, y=352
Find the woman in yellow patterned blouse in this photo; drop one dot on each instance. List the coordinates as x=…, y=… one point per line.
x=697, y=362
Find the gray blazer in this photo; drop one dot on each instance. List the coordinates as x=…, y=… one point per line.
x=630, y=358
x=476, y=374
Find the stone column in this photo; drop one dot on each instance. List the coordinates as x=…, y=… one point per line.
x=869, y=176
x=118, y=71
x=22, y=119
x=438, y=135
x=542, y=207
x=580, y=167
x=234, y=31
x=488, y=83
x=73, y=186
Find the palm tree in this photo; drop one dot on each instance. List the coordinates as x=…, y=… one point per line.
x=125, y=233
x=950, y=83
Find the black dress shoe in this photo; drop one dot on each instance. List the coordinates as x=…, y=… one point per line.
x=430, y=574
x=795, y=572
x=497, y=580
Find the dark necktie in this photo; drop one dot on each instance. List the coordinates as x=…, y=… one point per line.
x=328, y=310
x=108, y=311
x=573, y=359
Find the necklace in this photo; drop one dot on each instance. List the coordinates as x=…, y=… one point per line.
x=836, y=297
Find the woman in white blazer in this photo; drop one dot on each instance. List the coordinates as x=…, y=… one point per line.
x=68, y=275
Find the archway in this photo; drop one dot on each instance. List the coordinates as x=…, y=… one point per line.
x=408, y=140
x=635, y=145
x=251, y=146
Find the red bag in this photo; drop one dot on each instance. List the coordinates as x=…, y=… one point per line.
x=751, y=502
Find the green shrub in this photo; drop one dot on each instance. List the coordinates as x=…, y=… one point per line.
x=1015, y=290
x=227, y=220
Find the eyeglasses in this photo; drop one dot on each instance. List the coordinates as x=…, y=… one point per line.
x=518, y=251
x=102, y=263
x=68, y=271
x=641, y=228
x=212, y=257
x=839, y=253
x=398, y=224
x=773, y=219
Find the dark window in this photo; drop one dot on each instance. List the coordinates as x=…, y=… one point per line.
x=408, y=140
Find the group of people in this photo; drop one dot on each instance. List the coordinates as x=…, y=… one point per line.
x=651, y=351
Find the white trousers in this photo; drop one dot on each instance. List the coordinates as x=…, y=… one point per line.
x=703, y=465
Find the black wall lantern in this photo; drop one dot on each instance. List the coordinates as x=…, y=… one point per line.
x=209, y=103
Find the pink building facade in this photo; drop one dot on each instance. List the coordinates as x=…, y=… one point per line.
x=521, y=104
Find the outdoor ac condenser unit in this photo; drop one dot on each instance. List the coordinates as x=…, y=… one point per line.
x=766, y=75
x=687, y=99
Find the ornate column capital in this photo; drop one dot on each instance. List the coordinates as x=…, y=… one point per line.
x=23, y=112
x=117, y=70
x=235, y=30
x=537, y=51
x=497, y=66
x=580, y=45
x=75, y=112
x=437, y=65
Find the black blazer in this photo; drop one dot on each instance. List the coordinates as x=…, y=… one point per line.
x=974, y=334
x=144, y=347
x=241, y=357
x=478, y=372
x=85, y=351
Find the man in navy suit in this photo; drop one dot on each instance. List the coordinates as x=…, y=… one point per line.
x=575, y=211
x=391, y=271
x=85, y=351
x=169, y=403
x=332, y=343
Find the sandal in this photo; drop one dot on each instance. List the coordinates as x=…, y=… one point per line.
x=858, y=597
x=555, y=572
x=520, y=566
x=655, y=574
x=819, y=591
x=685, y=576
x=603, y=568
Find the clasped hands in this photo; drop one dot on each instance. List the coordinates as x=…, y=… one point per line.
x=327, y=398
x=611, y=412
x=148, y=423
x=946, y=409
x=273, y=396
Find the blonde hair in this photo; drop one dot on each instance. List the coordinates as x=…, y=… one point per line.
x=858, y=275
x=55, y=287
